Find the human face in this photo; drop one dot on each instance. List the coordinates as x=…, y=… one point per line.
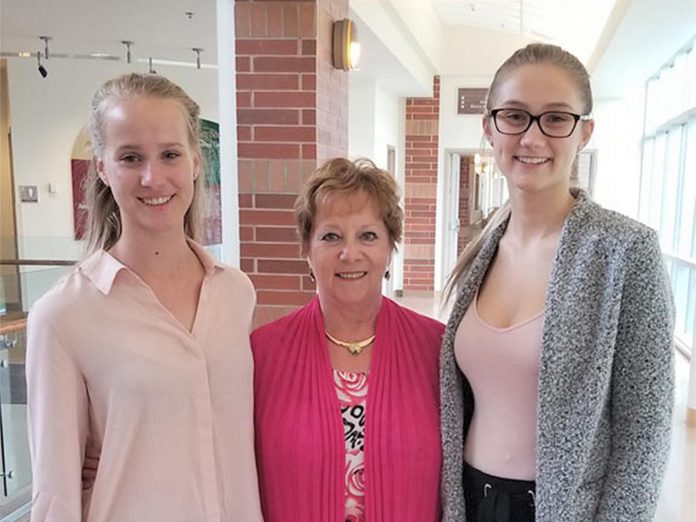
x=349, y=249
x=149, y=163
x=531, y=161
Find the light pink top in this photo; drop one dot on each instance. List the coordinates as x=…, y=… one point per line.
x=502, y=367
x=108, y=365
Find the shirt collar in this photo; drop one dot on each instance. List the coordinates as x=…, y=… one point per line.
x=101, y=268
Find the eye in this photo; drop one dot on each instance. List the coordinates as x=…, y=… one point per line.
x=557, y=118
x=171, y=154
x=129, y=158
x=329, y=237
x=514, y=116
x=368, y=236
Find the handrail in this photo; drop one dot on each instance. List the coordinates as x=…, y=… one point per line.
x=16, y=325
x=37, y=262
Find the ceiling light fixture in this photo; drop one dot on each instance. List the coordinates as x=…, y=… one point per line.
x=197, y=50
x=45, y=40
x=42, y=69
x=346, y=47
x=150, y=69
x=128, y=44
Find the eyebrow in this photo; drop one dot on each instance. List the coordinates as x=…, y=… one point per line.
x=130, y=146
x=547, y=107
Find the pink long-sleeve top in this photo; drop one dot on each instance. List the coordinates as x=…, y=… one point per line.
x=299, y=429
x=171, y=410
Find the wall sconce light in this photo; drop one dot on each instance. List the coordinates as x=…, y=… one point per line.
x=346, y=48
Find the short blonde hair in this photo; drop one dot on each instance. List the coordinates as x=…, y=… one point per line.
x=340, y=175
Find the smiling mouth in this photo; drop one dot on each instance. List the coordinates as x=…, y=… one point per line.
x=154, y=202
x=531, y=160
x=351, y=275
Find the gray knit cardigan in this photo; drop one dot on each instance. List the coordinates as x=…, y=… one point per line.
x=606, y=374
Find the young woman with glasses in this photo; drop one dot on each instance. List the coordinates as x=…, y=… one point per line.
x=557, y=363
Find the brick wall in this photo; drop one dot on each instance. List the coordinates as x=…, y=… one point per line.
x=422, y=121
x=281, y=66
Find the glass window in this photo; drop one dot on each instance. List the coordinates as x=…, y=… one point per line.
x=668, y=178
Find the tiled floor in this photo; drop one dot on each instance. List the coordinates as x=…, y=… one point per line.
x=678, y=499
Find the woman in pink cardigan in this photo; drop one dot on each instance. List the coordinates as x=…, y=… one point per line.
x=346, y=388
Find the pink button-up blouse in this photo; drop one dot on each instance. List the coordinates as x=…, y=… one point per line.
x=171, y=410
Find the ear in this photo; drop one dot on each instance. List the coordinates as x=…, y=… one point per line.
x=487, y=131
x=101, y=172
x=587, y=130
x=196, y=164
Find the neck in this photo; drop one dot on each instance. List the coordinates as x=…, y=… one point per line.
x=153, y=257
x=350, y=322
x=539, y=215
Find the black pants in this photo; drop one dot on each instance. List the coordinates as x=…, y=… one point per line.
x=496, y=499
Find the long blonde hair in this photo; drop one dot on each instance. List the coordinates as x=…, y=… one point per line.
x=104, y=218
x=531, y=54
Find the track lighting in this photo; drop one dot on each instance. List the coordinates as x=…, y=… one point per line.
x=42, y=69
x=128, y=44
x=45, y=41
x=197, y=50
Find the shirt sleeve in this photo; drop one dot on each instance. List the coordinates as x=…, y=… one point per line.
x=58, y=420
x=642, y=396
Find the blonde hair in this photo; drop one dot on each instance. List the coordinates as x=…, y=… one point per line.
x=104, y=217
x=539, y=53
x=340, y=175
x=535, y=53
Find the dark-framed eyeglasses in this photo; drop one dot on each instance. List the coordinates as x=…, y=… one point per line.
x=554, y=124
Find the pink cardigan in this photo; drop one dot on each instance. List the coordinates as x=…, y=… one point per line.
x=300, y=449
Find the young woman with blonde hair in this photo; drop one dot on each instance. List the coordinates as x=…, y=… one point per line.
x=141, y=354
x=557, y=363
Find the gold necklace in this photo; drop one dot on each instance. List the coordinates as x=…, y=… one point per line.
x=353, y=347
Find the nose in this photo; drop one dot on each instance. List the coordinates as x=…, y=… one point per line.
x=150, y=175
x=350, y=251
x=533, y=134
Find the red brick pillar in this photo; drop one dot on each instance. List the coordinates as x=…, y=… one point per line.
x=422, y=121
x=291, y=114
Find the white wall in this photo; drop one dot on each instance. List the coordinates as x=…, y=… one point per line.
x=376, y=120
x=361, y=118
x=47, y=115
x=617, y=139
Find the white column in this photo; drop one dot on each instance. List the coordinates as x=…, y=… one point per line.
x=227, y=87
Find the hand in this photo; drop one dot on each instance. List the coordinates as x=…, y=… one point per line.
x=90, y=467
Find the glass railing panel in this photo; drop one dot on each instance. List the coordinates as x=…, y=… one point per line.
x=20, y=286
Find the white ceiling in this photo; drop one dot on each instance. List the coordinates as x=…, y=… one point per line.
x=575, y=25
x=159, y=28
x=621, y=38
